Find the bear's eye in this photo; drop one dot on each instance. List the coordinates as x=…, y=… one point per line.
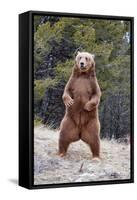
x=80, y=58
x=86, y=58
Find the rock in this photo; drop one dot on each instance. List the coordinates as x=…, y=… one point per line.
x=115, y=175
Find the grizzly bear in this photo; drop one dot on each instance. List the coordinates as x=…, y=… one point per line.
x=81, y=98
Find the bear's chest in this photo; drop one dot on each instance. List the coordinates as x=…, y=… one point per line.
x=81, y=89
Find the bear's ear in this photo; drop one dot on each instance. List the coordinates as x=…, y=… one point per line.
x=93, y=56
x=78, y=52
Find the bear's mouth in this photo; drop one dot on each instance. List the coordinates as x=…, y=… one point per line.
x=83, y=68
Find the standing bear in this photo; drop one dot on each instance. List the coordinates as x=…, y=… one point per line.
x=81, y=97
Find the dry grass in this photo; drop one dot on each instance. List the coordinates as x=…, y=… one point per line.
x=77, y=166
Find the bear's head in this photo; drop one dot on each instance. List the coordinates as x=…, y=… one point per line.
x=85, y=61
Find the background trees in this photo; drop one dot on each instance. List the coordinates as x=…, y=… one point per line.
x=56, y=40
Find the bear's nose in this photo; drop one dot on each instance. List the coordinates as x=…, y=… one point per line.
x=81, y=64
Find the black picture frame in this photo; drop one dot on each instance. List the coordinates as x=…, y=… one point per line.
x=26, y=94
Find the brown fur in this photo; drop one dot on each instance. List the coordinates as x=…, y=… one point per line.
x=81, y=97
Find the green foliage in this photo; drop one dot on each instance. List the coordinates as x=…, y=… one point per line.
x=46, y=33
x=120, y=74
x=36, y=22
x=85, y=36
x=107, y=39
x=40, y=87
x=63, y=70
x=37, y=121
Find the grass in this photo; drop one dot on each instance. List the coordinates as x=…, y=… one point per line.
x=37, y=122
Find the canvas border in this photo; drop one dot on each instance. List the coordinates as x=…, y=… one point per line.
x=30, y=162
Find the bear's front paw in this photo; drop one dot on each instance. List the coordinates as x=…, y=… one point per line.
x=68, y=101
x=87, y=106
x=90, y=106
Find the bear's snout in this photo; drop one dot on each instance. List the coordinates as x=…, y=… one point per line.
x=82, y=65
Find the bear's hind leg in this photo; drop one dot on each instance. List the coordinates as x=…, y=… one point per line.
x=69, y=132
x=90, y=135
x=95, y=146
x=63, y=146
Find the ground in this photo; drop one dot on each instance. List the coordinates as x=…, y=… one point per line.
x=77, y=166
